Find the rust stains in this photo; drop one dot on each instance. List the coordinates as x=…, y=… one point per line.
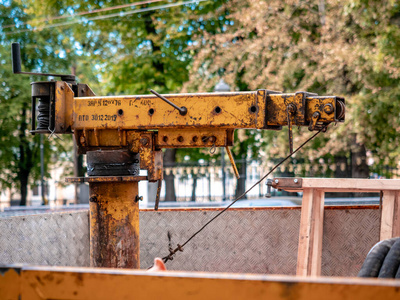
x=114, y=225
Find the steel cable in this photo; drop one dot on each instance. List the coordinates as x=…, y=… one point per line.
x=179, y=247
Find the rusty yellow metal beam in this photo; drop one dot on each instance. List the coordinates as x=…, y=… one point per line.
x=259, y=109
x=230, y=110
x=256, y=110
x=86, y=283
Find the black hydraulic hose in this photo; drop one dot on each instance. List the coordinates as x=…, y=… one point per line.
x=398, y=273
x=375, y=258
x=391, y=263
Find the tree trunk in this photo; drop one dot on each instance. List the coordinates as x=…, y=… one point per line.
x=169, y=161
x=342, y=171
x=359, y=167
x=23, y=179
x=241, y=182
x=194, y=186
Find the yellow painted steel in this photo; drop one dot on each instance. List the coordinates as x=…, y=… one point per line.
x=164, y=138
x=115, y=122
x=114, y=225
x=87, y=283
x=277, y=114
x=63, y=106
x=145, y=124
x=231, y=110
x=208, y=110
x=10, y=282
x=192, y=138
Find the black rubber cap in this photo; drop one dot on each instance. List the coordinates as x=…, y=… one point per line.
x=16, y=57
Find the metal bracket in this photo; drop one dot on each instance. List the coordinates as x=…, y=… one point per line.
x=314, y=120
x=287, y=183
x=151, y=159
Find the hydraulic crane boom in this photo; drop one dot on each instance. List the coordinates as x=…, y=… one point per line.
x=122, y=134
x=125, y=122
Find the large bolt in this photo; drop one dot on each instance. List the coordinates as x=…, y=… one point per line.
x=295, y=180
x=292, y=108
x=269, y=184
x=276, y=181
x=328, y=108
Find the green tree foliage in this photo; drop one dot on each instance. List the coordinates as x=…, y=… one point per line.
x=19, y=150
x=345, y=48
x=138, y=48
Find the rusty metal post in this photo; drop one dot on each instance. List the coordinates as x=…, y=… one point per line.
x=114, y=210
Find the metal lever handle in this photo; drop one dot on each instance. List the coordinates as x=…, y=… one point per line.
x=16, y=58
x=235, y=170
x=16, y=63
x=182, y=110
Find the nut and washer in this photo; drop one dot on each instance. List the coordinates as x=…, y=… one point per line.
x=328, y=108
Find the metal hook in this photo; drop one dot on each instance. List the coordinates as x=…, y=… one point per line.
x=212, y=149
x=52, y=133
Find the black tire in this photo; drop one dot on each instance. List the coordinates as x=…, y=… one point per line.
x=375, y=258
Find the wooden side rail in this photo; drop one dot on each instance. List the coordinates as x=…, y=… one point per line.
x=312, y=212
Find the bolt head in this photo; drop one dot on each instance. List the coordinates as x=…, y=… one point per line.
x=328, y=108
x=295, y=180
x=292, y=108
x=276, y=181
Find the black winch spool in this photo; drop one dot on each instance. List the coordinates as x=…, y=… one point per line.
x=43, y=117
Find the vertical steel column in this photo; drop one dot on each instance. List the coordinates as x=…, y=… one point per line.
x=114, y=225
x=114, y=210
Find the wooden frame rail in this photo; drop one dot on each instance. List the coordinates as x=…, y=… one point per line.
x=312, y=212
x=45, y=282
